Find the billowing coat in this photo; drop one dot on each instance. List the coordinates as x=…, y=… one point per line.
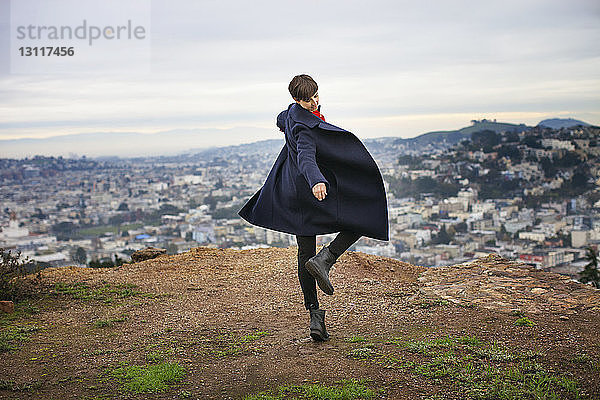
x=316, y=151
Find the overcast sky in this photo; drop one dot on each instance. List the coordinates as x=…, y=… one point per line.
x=384, y=68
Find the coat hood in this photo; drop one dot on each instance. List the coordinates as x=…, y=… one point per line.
x=297, y=114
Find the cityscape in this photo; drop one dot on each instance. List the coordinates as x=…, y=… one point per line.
x=526, y=193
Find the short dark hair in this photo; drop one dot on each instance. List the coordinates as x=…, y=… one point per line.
x=303, y=87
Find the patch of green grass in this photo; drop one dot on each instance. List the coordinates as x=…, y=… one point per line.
x=582, y=358
x=251, y=337
x=155, y=357
x=356, y=339
x=160, y=349
x=482, y=371
x=230, y=350
x=25, y=308
x=264, y=396
x=148, y=379
x=524, y=321
x=387, y=361
x=345, y=390
x=424, y=346
x=22, y=309
x=98, y=352
x=106, y=293
x=435, y=397
x=496, y=352
x=10, y=337
x=105, y=323
x=349, y=390
x=362, y=353
x=468, y=340
x=523, y=381
x=440, y=366
x=229, y=345
x=19, y=387
x=429, y=345
x=433, y=303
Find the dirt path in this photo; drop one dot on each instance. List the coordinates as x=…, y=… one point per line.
x=232, y=323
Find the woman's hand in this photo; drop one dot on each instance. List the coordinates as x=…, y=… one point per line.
x=320, y=191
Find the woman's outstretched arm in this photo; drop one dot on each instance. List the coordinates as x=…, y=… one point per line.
x=307, y=162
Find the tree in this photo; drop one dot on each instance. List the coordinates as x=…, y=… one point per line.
x=511, y=152
x=412, y=161
x=14, y=283
x=118, y=261
x=486, y=138
x=548, y=167
x=461, y=227
x=569, y=159
x=102, y=263
x=442, y=237
x=172, y=249
x=79, y=256
x=169, y=209
x=451, y=231
x=63, y=230
x=512, y=137
x=39, y=214
x=532, y=142
x=590, y=272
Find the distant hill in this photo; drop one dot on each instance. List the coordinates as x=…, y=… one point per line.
x=453, y=137
x=558, y=123
x=269, y=146
x=131, y=144
x=193, y=143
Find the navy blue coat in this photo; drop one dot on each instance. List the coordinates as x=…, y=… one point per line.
x=316, y=151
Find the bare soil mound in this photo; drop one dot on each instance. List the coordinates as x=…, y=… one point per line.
x=221, y=323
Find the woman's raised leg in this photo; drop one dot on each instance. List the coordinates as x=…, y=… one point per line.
x=342, y=242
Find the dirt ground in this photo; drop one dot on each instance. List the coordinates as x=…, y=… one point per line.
x=235, y=321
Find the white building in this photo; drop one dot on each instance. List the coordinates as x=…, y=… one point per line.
x=535, y=236
x=13, y=231
x=579, y=238
x=387, y=250
x=558, y=144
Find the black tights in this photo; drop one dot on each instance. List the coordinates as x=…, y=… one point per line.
x=307, y=247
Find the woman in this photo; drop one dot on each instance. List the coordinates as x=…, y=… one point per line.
x=323, y=181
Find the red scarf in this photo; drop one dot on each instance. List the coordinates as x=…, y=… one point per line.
x=318, y=114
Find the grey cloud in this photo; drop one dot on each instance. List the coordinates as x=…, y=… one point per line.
x=229, y=62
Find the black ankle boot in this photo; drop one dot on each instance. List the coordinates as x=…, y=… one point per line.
x=319, y=267
x=317, y=325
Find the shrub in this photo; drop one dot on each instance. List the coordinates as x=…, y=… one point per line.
x=524, y=321
x=14, y=282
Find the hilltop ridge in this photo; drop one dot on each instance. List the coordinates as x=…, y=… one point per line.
x=233, y=320
x=230, y=323
x=492, y=282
